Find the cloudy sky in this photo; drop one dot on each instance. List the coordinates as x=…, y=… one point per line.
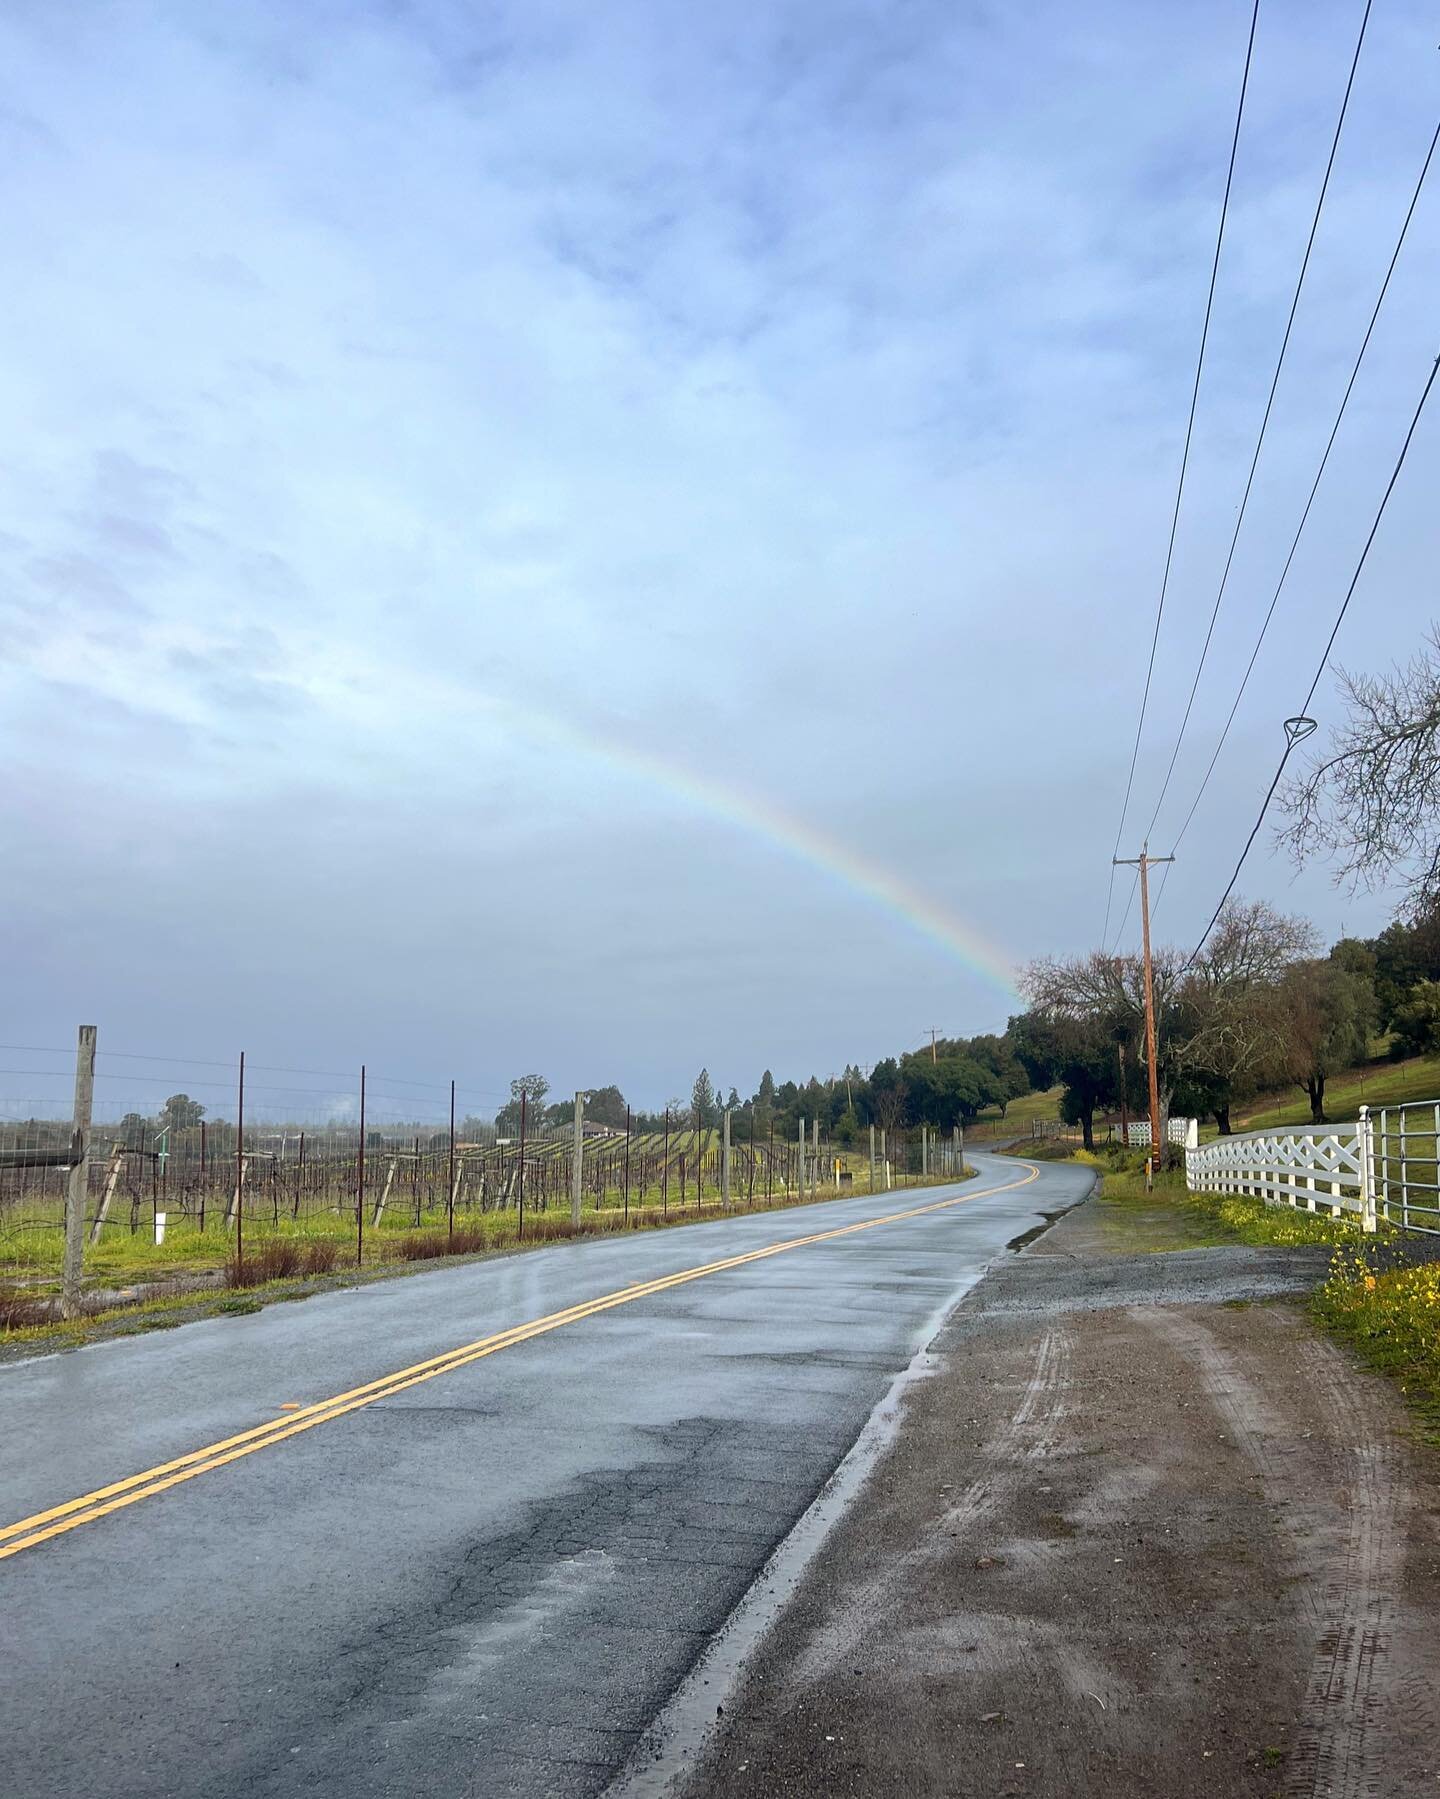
x=610, y=537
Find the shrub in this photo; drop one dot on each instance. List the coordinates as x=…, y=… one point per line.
x=320, y=1258
x=424, y=1246
x=281, y=1258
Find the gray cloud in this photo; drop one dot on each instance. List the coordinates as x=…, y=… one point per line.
x=789, y=400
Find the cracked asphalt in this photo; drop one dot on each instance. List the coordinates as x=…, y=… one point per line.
x=489, y=1583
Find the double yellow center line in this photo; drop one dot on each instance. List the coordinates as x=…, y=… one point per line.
x=40, y=1527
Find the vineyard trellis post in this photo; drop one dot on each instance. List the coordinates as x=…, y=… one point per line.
x=77, y=1183
x=577, y=1165
x=360, y=1180
x=450, y=1174
x=872, y=1158
x=725, y=1158
x=520, y=1184
x=240, y=1175
x=627, y=1165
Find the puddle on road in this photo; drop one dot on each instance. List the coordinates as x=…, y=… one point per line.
x=1039, y=1230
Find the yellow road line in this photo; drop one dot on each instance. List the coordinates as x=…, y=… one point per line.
x=40, y=1527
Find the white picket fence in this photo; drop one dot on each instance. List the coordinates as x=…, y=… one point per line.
x=1323, y=1170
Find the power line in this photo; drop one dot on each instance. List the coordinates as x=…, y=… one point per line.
x=1184, y=458
x=1125, y=918
x=1265, y=419
x=1320, y=666
x=1310, y=501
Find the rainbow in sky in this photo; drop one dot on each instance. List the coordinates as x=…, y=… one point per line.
x=761, y=818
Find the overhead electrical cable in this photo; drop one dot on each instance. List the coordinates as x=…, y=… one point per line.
x=1184, y=457
x=1309, y=503
x=1265, y=418
x=1320, y=666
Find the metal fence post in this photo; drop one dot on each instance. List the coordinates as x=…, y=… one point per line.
x=77, y=1181
x=1367, y=1171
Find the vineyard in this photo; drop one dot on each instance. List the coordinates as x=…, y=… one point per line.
x=287, y=1197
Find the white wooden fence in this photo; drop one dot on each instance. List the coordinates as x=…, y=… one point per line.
x=1323, y=1170
x=1184, y=1131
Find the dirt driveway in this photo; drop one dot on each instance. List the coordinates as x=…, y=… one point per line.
x=1144, y=1532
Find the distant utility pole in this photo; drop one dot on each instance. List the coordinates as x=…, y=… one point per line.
x=1145, y=862
x=934, y=1033
x=77, y=1182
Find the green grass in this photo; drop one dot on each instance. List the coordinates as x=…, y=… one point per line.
x=1391, y=1318
x=1019, y=1115
x=1171, y=1217
x=1376, y=1084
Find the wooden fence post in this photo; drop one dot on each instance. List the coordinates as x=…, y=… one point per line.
x=77, y=1182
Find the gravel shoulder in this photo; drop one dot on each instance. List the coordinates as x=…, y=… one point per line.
x=1144, y=1531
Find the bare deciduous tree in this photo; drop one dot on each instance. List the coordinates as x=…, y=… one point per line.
x=1233, y=1004
x=1220, y=1023
x=1373, y=803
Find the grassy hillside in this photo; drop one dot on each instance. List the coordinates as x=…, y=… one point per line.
x=1376, y=1084
x=1019, y=1114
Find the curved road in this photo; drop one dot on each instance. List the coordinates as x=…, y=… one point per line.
x=461, y=1533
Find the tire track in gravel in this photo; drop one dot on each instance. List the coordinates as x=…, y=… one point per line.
x=1028, y=1435
x=1349, y=1584
x=1348, y=1679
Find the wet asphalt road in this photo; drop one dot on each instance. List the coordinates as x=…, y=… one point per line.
x=488, y=1583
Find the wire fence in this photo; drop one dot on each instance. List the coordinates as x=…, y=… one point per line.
x=232, y=1172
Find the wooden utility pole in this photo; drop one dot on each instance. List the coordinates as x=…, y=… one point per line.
x=934, y=1033
x=77, y=1182
x=1124, y=1099
x=1145, y=862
